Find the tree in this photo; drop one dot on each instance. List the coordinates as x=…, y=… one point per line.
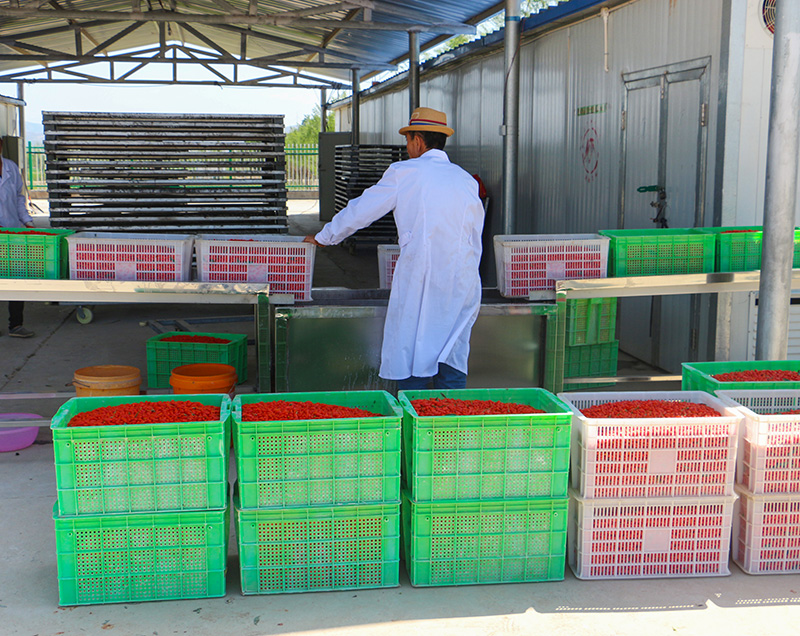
x=307, y=132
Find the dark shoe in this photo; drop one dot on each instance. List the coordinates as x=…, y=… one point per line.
x=20, y=332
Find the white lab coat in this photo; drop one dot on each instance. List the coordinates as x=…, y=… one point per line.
x=436, y=287
x=13, y=209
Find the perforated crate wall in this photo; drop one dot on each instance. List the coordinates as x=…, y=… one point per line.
x=141, y=557
x=163, y=356
x=42, y=254
x=285, y=262
x=130, y=256
x=591, y=321
x=532, y=263
x=465, y=543
x=140, y=467
x=698, y=376
x=651, y=252
x=739, y=248
x=621, y=458
x=766, y=533
x=319, y=462
x=486, y=457
x=769, y=447
x=387, y=259
x=318, y=548
x=649, y=538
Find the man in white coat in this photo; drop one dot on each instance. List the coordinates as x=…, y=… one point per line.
x=436, y=286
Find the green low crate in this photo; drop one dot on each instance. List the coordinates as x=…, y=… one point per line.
x=486, y=457
x=739, y=248
x=585, y=361
x=697, y=376
x=124, y=558
x=319, y=462
x=318, y=549
x=591, y=321
x=140, y=467
x=34, y=255
x=660, y=251
x=466, y=543
x=163, y=357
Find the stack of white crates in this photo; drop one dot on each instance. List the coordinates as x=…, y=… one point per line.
x=651, y=498
x=766, y=532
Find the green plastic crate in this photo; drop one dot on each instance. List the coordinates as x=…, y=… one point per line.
x=740, y=251
x=466, y=543
x=318, y=548
x=33, y=255
x=141, y=557
x=697, y=376
x=487, y=457
x=591, y=320
x=591, y=360
x=163, y=357
x=140, y=467
x=319, y=462
x=660, y=251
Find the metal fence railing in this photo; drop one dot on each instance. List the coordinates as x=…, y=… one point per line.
x=301, y=167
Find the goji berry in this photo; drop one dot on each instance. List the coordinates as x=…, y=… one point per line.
x=288, y=410
x=147, y=413
x=646, y=409
x=758, y=375
x=451, y=406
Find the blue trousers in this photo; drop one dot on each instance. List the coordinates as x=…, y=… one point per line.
x=446, y=378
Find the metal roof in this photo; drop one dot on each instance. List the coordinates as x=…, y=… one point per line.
x=274, y=42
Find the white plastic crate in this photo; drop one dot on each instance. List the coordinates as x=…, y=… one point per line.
x=130, y=256
x=387, y=259
x=660, y=457
x=766, y=533
x=649, y=538
x=769, y=446
x=529, y=264
x=285, y=262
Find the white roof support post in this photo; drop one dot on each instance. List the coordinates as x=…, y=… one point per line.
x=781, y=186
x=510, y=128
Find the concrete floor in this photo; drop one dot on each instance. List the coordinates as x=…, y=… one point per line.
x=736, y=604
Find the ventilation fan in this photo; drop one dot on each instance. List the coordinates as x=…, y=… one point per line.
x=768, y=14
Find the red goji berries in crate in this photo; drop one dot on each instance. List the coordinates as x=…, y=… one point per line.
x=130, y=256
x=661, y=456
x=285, y=262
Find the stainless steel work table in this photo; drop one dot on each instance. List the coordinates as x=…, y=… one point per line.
x=722, y=283
x=89, y=292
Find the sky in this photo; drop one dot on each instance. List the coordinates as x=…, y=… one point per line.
x=292, y=103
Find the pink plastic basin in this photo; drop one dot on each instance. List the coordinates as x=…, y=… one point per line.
x=17, y=438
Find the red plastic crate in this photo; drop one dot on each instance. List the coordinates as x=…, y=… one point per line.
x=530, y=264
x=769, y=449
x=661, y=457
x=285, y=262
x=766, y=533
x=649, y=538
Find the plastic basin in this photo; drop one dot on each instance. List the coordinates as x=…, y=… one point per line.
x=19, y=437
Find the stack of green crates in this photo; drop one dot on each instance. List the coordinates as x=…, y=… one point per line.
x=317, y=502
x=485, y=496
x=142, y=509
x=590, y=349
x=163, y=356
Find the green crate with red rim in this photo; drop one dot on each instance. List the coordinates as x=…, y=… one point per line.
x=33, y=253
x=739, y=247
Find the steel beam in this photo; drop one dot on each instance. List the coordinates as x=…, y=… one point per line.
x=233, y=18
x=772, y=338
x=413, y=71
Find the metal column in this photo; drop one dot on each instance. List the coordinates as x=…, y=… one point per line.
x=23, y=163
x=356, y=107
x=510, y=128
x=781, y=187
x=413, y=71
x=323, y=110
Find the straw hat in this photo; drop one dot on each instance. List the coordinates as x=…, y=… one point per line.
x=427, y=120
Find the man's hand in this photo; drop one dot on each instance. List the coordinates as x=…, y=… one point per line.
x=310, y=239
